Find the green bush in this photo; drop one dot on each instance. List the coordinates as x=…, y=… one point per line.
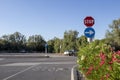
x=99, y=62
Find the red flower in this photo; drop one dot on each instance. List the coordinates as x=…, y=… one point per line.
x=102, y=78
x=107, y=76
x=111, y=62
x=114, y=59
x=118, y=61
x=110, y=67
x=89, y=70
x=83, y=68
x=118, y=52
x=102, y=56
x=102, y=62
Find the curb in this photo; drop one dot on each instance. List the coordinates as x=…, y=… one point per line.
x=80, y=76
x=75, y=74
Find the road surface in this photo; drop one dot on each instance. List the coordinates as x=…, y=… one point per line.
x=53, y=68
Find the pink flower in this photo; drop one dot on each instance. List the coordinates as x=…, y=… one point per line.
x=118, y=61
x=89, y=70
x=114, y=59
x=102, y=78
x=111, y=62
x=102, y=62
x=110, y=67
x=118, y=52
x=107, y=76
x=102, y=56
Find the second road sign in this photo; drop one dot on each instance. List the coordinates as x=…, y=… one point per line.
x=89, y=32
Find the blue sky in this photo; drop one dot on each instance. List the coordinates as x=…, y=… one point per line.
x=51, y=18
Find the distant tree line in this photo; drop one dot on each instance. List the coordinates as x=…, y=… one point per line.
x=70, y=41
x=17, y=42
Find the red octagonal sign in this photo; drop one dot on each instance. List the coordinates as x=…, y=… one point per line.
x=89, y=21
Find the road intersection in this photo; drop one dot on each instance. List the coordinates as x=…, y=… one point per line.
x=53, y=68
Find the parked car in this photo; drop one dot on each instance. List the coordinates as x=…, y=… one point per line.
x=69, y=53
x=23, y=51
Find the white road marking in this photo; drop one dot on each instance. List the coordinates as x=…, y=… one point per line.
x=1, y=59
x=57, y=63
x=48, y=69
x=21, y=64
x=30, y=64
x=19, y=72
x=59, y=69
x=72, y=72
x=37, y=68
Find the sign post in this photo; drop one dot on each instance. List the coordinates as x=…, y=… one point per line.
x=60, y=48
x=46, y=46
x=89, y=32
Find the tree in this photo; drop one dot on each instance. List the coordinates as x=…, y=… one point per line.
x=81, y=41
x=113, y=35
x=15, y=41
x=57, y=44
x=69, y=42
x=36, y=43
x=4, y=45
x=51, y=46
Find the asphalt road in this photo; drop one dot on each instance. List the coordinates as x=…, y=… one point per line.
x=53, y=68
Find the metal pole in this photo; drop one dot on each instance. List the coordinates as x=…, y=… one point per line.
x=90, y=40
x=60, y=48
x=46, y=49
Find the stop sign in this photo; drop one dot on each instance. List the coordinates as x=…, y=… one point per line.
x=89, y=21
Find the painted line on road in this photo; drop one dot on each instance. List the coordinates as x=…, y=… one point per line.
x=72, y=72
x=57, y=63
x=19, y=72
x=20, y=64
x=36, y=63
x=1, y=59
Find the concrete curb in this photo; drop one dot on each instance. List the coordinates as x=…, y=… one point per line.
x=80, y=76
x=23, y=56
x=75, y=74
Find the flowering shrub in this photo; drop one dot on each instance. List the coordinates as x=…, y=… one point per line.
x=99, y=62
